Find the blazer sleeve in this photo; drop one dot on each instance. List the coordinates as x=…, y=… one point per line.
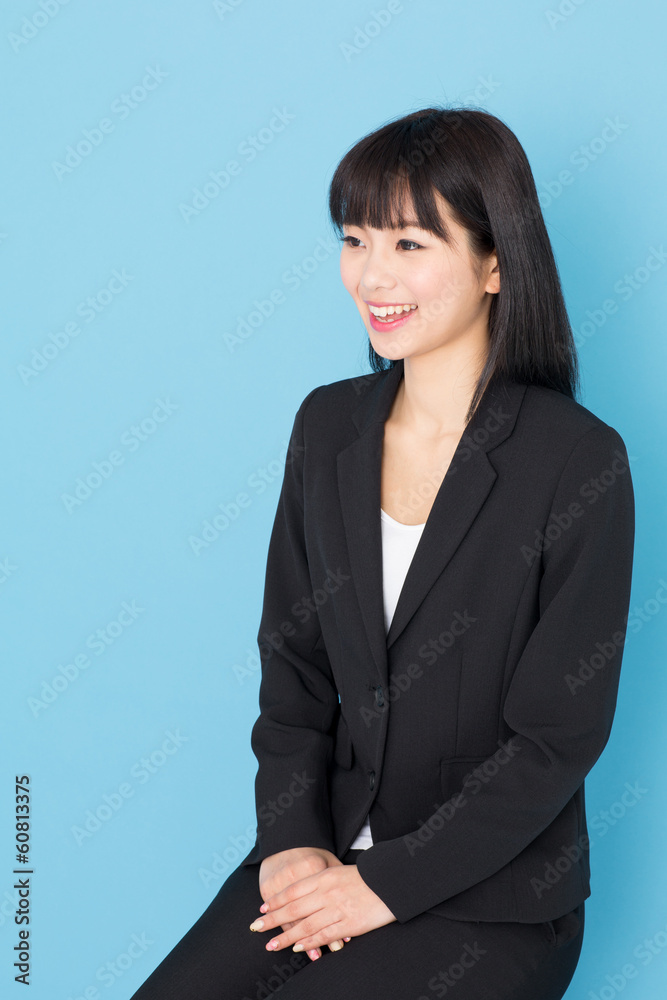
x=560, y=702
x=291, y=738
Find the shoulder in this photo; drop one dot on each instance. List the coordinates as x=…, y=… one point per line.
x=559, y=423
x=338, y=399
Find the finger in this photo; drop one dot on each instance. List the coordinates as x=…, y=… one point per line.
x=329, y=935
x=312, y=932
x=289, y=913
x=295, y=890
x=314, y=953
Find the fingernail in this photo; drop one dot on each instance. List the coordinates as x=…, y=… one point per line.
x=272, y=945
x=264, y=907
x=335, y=946
x=314, y=954
x=297, y=947
x=256, y=925
x=347, y=939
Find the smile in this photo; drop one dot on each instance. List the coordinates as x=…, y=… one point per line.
x=381, y=319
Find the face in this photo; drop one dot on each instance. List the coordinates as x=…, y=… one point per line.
x=447, y=292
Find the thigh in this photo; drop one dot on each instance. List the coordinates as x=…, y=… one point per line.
x=219, y=958
x=432, y=956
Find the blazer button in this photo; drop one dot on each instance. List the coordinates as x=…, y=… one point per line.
x=371, y=780
x=379, y=697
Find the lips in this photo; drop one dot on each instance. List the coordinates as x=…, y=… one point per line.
x=389, y=324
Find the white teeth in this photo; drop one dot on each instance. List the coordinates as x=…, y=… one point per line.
x=390, y=310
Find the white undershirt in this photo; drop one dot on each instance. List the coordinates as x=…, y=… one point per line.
x=399, y=542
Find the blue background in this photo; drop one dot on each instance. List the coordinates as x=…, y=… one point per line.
x=196, y=408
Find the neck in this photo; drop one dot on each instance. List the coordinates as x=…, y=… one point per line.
x=435, y=392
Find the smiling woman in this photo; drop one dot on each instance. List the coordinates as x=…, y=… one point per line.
x=421, y=754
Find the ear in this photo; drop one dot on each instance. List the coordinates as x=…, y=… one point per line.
x=493, y=275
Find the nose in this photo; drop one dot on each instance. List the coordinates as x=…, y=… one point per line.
x=376, y=277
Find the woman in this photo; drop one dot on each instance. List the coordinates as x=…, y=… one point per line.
x=445, y=604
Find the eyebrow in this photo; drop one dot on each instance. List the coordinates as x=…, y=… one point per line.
x=407, y=224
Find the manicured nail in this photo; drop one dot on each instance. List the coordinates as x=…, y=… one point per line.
x=297, y=947
x=272, y=945
x=347, y=939
x=256, y=925
x=314, y=954
x=264, y=907
x=335, y=946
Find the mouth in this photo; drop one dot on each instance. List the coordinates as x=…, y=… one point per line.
x=390, y=321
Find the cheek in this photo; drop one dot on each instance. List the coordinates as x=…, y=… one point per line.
x=349, y=275
x=448, y=287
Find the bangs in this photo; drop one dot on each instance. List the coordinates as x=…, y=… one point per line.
x=388, y=179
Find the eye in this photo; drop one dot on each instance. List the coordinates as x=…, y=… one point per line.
x=348, y=239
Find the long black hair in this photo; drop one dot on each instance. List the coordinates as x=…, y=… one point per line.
x=479, y=166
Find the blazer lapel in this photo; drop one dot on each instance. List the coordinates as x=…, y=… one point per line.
x=466, y=485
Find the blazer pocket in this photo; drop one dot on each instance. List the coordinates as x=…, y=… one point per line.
x=343, y=749
x=453, y=774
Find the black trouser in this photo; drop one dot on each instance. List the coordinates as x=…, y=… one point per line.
x=425, y=958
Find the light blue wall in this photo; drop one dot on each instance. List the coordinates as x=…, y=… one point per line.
x=157, y=350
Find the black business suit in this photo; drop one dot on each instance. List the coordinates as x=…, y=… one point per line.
x=503, y=654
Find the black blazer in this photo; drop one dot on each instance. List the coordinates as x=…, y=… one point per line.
x=468, y=728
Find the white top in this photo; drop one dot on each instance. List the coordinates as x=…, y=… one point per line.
x=399, y=542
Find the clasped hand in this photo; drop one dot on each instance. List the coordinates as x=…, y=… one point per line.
x=317, y=900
